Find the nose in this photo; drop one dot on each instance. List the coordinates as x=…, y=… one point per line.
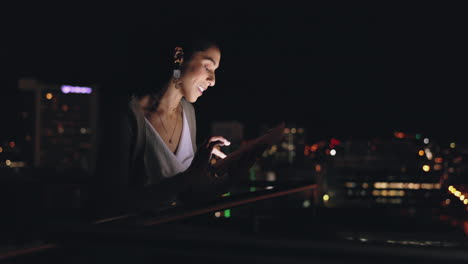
x=211, y=79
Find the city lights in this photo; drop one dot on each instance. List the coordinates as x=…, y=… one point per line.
x=326, y=197
x=426, y=168
x=75, y=89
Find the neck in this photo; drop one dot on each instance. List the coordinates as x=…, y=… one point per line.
x=170, y=101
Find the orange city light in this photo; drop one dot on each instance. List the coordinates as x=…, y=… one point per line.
x=399, y=134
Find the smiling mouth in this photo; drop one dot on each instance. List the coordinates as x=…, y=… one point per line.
x=201, y=89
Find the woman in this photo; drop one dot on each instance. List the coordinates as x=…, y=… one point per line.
x=157, y=163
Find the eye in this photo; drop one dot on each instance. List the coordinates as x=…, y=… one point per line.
x=207, y=69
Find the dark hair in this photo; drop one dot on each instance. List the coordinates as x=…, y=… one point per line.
x=153, y=79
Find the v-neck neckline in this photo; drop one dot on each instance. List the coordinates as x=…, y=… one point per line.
x=162, y=140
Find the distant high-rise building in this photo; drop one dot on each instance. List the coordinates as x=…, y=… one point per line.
x=60, y=125
x=291, y=148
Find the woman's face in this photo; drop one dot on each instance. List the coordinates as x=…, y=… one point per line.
x=199, y=73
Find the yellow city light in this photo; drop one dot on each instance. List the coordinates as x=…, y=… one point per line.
x=326, y=197
x=426, y=168
x=49, y=96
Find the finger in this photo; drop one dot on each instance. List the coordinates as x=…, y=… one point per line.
x=218, y=153
x=214, y=144
x=224, y=141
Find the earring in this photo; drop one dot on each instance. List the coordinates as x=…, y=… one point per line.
x=176, y=73
x=177, y=82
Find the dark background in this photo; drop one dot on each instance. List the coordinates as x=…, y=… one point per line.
x=341, y=69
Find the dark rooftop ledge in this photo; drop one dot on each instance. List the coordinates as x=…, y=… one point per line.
x=170, y=215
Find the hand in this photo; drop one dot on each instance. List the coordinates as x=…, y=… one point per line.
x=216, y=151
x=201, y=161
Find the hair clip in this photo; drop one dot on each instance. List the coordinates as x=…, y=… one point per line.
x=178, y=59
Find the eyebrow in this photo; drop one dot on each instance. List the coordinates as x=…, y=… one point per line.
x=210, y=59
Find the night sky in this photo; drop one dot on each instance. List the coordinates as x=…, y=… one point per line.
x=346, y=70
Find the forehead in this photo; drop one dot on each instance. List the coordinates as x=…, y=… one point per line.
x=212, y=54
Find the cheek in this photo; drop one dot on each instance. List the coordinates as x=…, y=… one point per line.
x=197, y=74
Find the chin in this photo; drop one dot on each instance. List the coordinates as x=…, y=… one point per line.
x=192, y=100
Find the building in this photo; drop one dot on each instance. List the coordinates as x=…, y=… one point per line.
x=60, y=125
x=291, y=148
x=391, y=172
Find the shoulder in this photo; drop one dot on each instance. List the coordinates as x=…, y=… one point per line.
x=133, y=104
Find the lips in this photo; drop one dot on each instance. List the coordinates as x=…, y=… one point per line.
x=201, y=89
